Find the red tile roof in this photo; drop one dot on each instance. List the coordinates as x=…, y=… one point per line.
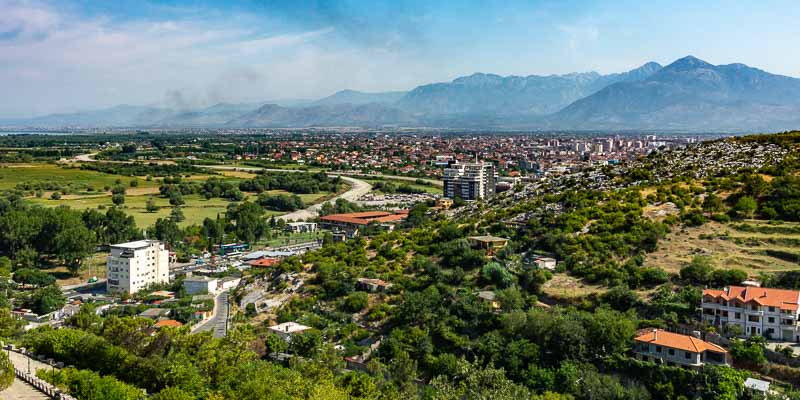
x=364, y=218
x=264, y=262
x=168, y=322
x=781, y=298
x=677, y=341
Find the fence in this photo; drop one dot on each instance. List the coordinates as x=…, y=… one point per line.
x=40, y=384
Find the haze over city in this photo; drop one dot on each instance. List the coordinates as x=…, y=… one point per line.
x=67, y=56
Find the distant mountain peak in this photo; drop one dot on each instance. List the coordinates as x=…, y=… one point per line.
x=688, y=62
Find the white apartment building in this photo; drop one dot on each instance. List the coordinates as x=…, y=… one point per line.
x=771, y=313
x=132, y=266
x=469, y=181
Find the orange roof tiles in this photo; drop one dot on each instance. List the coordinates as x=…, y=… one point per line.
x=168, y=322
x=264, y=262
x=781, y=298
x=364, y=218
x=677, y=341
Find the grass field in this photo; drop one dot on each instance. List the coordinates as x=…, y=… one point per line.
x=195, y=210
x=752, y=252
x=12, y=174
x=426, y=188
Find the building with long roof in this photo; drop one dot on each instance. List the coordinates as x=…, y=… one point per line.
x=771, y=313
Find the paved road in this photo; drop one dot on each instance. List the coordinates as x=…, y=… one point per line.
x=358, y=189
x=218, y=322
x=20, y=390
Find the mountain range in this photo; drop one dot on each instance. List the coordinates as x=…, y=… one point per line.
x=688, y=95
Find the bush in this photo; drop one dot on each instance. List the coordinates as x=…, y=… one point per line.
x=355, y=302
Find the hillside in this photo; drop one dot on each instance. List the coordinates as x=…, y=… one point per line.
x=691, y=94
x=497, y=95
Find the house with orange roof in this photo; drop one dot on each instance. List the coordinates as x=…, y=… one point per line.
x=350, y=223
x=168, y=322
x=771, y=313
x=674, y=349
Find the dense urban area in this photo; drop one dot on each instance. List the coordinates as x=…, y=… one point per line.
x=359, y=264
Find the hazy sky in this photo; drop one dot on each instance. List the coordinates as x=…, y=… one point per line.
x=63, y=56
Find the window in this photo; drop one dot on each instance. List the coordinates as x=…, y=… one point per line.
x=738, y=315
x=754, y=307
x=671, y=352
x=686, y=354
x=658, y=349
x=771, y=320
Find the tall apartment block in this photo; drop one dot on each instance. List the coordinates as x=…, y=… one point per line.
x=132, y=266
x=469, y=181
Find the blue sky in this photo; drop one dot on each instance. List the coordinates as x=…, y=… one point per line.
x=74, y=55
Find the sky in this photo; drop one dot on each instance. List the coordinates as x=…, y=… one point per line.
x=68, y=55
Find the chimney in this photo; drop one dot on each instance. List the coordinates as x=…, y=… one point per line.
x=655, y=334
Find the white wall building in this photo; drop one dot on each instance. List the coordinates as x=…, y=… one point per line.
x=469, y=181
x=771, y=313
x=132, y=266
x=287, y=329
x=200, y=285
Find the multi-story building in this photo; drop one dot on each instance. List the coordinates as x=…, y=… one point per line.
x=771, y=313
x=674, y=349
x=132, y=266
x=469, y=181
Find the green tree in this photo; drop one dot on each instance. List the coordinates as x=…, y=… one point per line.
x=747, y=206
x=175, y=198
x=355, y=302
x=73, y=245
x=27, y=276
x=698, y=271
x=177, y=215
x=712, y=203
x=172, y=393
x=118, y=199
x=47, y=299
x=151, y=205
x=6, y=372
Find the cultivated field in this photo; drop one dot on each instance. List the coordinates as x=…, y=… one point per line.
x=768, y=248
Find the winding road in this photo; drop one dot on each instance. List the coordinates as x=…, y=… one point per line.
x=358, y=188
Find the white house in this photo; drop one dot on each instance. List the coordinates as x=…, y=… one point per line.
x=771, y=313
x=674, y=349
x=545, y=263
x=132, y=266
x=200, y=285
x=287, y=329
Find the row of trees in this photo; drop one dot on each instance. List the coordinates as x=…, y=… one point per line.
x=30, y=235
